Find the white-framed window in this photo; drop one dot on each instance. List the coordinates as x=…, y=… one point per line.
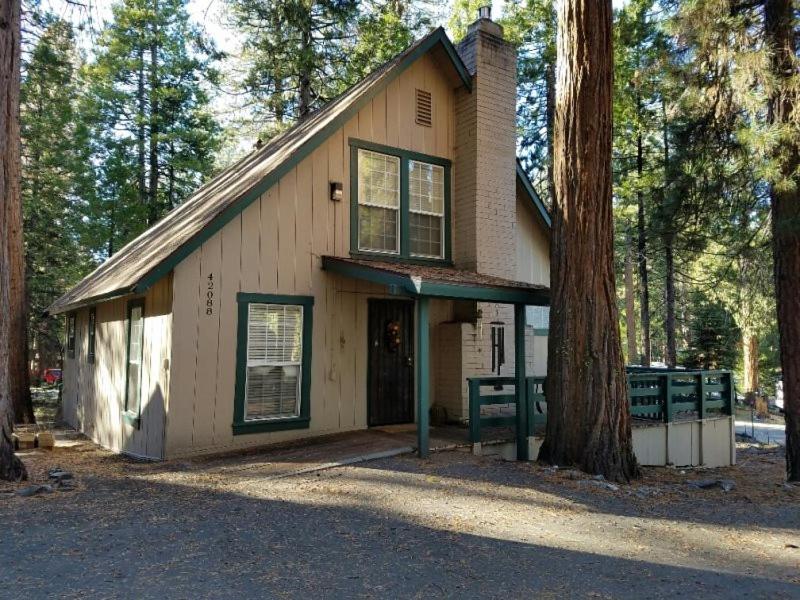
x=538, y=317
x=378, y=202
x=274, y=361
x=426, y=209
x=133, y=390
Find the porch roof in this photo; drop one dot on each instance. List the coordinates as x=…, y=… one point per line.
x=438, y=281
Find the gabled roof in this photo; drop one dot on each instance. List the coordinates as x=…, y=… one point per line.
x=154, y=253
x=541, y=209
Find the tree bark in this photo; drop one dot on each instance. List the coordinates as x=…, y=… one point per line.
x=669, y=254
x=750, y=344
x=11, y=468
x=141, y=160
x=550, y=116
x=304, y=106
x=669, y=300
x=154, y=210
x=785, y=198
x=588, y=422
x=630, y=303
x=644, y=288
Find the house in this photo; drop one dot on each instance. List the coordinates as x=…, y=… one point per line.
x=352, y=273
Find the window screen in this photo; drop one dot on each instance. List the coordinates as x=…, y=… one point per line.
x=378, y=202
x=538, y=317
x=274, y=361
x=135, y=343
x=426, y=206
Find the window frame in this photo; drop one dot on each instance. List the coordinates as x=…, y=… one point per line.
x=72, y=323
x=240, y=425
x=405, y=156
x=133, y=417
x=91, y=335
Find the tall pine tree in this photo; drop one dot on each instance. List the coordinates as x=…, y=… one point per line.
x=153, y=135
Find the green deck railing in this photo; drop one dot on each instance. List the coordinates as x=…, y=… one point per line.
x=654, y=395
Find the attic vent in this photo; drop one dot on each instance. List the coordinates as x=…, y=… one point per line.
x=423, y=108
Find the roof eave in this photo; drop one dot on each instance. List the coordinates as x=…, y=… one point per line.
x=544, y=214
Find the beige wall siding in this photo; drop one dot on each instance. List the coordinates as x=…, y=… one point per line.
x=275, y=246
x=94, y=393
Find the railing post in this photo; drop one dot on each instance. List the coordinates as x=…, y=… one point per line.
x=702, y=392
x=474, y=410
x=423, y=376
x=668, y=398
x=519, y=387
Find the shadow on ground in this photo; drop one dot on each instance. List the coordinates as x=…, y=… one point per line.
x=124, y=535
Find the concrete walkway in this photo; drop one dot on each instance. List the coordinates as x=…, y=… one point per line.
x=766, y=433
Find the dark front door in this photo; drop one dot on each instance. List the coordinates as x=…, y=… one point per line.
x=391, y=362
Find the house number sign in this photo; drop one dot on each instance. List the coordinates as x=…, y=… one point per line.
x=210, y=294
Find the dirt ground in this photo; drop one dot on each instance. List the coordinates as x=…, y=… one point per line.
x=453, y=526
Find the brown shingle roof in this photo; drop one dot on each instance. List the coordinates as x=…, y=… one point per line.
x=155, y=252
x=437, y=280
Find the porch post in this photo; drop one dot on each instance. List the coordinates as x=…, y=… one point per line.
x=423, y=376
x=520, y=386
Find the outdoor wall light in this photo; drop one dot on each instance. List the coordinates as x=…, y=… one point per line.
x=337, y=191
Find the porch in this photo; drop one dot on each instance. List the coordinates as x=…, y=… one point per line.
x=424, y=285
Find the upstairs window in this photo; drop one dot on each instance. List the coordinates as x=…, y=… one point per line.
x=400, y=203
x=378, y=202
x=426, y=193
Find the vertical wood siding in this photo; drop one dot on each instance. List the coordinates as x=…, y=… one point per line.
x=94, y=393
x=275, y=246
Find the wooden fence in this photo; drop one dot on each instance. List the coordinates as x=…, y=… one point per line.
x=654, y=395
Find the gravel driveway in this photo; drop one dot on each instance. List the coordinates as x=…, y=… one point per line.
x=454, y=526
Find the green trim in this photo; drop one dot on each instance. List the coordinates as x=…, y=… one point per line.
x=438, y=37
x=423, y=377
x=133, y=417
x=405, y=283
x=87, y=301
x=541, y=332
x=393, y=258
x=522, y=176
x=520, y=385
x=405, y=156
x=240, y=426
x=91, y=334
x=485, y=293
x=399, y=152
x=71, y=333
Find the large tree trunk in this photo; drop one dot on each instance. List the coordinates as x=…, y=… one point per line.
x=588, y=423
x=750, y=344
x=18, y=374
x=644, y=288
x=630, y=301
x=304, y=105
x=11, y=468
x=550, y=116
x=141, y=100
x=786, y=220
x=669, y=300
x=154, y=209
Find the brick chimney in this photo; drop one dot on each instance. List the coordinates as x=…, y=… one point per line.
x=485, y=152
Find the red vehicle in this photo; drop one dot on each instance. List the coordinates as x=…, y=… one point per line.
x=52, y=376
